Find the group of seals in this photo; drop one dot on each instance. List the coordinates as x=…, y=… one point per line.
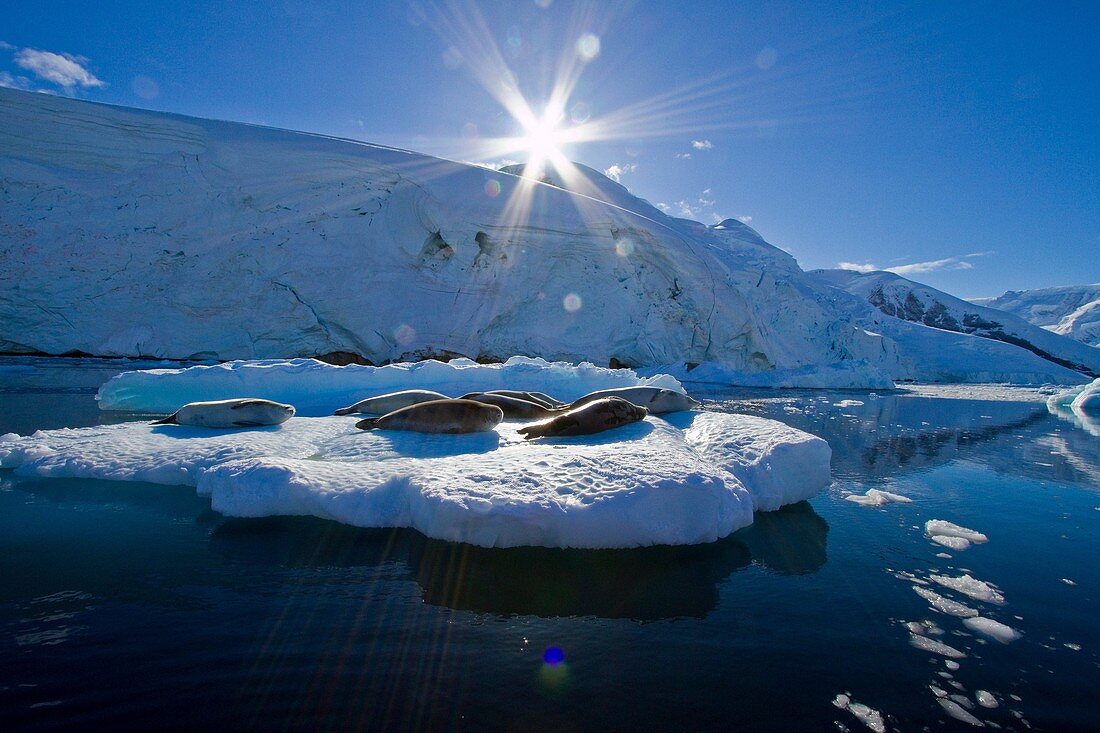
x=424, y=411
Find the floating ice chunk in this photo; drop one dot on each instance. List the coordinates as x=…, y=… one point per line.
x=943, y=556
x=876, y=497
x=962, y=700
x=935, y=647
x=992, y=629
x=316, y=388
x=935, y=528
x=642, y=484
x=944, y=605
x=986, y=699
x=867, y=715
x=1067, y=581
x=957, y=712
x=953, y=666
x=955, y=543
x=1074, y=647
x=1088, y=400
x=979, y=590
x=848, y=403
x=783, y=465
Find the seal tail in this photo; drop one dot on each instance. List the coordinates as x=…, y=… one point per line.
x=344, y=411
x=170, y=420
x=369, y=423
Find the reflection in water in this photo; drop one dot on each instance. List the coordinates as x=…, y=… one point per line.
x=645, y=584
x=888, y=436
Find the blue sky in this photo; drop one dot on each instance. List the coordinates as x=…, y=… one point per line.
x=956, y=142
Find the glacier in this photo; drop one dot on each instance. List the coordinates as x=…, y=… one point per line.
x=136, y=233
x=691, y=479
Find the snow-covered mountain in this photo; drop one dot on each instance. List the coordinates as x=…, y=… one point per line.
x=128, y=232
x=135, y=233
x=1072, y=310
x=905, y=299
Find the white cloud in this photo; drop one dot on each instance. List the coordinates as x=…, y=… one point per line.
x=5, y=46
x=664, y=207
x=916, y=268
x=14, y=82
x=65, y=70
x=702, y=144
x=616, y=171
x=744, y=219
x=855, y=266
x=683, y=156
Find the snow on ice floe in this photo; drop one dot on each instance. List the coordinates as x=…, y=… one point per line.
x=316, y=388
x=864, y=713
x=944, y=605
x=935, y=647
x=653, y=482
x=957, y=712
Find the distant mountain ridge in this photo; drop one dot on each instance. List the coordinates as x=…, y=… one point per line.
x=1070, y=310
x=908, y=300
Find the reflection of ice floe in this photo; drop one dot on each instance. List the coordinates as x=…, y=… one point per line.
x=644, y=584
x=316, y=388
x=647, y=483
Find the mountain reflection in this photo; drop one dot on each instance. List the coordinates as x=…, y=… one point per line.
x=644, y=584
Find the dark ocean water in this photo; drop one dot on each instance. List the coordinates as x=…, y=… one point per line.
x=129, y=606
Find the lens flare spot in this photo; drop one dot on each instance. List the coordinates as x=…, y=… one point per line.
x=492, y=188
x=588, y=46
x=553, y=655
x=571, y=302
x=624, y=247
x=579, y=113
x=404, y=334
x=469, y=131
x=766, y=58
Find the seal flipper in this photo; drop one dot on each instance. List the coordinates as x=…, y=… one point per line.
x=369, y=423
x=170, y=420
x=345, y=410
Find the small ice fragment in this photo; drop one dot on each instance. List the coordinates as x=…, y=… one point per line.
x=935, y=647
x=986, y=699
x=953, y=666
x=979, y=590
x=956, y=711
x=992, y=629
x=938, y=691
x=943, y=556
x=841, y=701
x=944, y=605
x=958, y=686
x=1072, y=646
x=875, y=497
x=1016, y=697
x=963, y=700
x=955, y=543
x=848, y=403
x=866, y=715
x=943, y=528
x=1067, y=581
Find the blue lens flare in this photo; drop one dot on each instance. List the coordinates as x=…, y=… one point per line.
x=553, y=656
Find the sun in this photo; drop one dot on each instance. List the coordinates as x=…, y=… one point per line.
x=543, y=140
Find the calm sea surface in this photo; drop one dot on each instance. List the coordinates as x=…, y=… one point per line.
x=128, y=606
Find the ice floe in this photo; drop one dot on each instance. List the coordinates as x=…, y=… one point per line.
x=944, y=605
x=876, y=497
x=952, y=535
x=992, y=629
x=935, y=647
x=986, y=699
x=692, y=480
x=979, y=590
x=316, y=388
x=867, y=715
x=957, y=712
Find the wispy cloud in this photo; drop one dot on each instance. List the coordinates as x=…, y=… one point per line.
x=702, y=144
x=664, y=207
x=63, y=69
x=14, y=82
x=616, y=171
x=683, y=156
x=960, y=262
x=745, y=219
